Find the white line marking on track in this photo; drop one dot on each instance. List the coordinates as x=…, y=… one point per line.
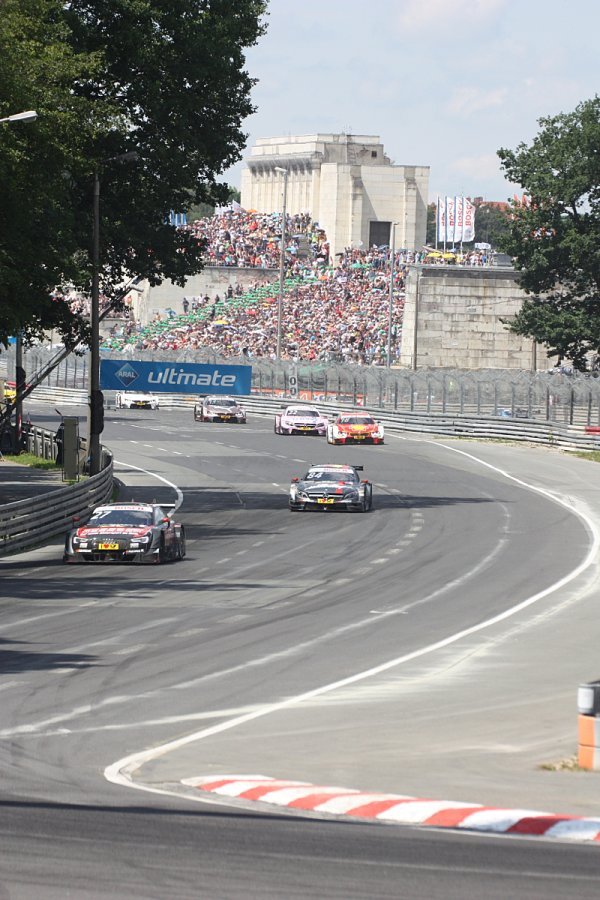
x=376, y=562
x=155, y=475
x=121, y=771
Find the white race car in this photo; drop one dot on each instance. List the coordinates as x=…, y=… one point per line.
x=132, y=400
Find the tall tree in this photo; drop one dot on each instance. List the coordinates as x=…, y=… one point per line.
x=162, y=78
x=555, y=235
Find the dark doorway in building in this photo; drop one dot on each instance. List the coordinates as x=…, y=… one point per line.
x=379, y=233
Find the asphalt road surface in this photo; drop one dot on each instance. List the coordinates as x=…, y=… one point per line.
x=443, y=635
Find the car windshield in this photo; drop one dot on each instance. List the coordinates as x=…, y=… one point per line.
x=216, y=401
x=137, y=517
x=356, y=420
x=303, y=413
x=345, y=475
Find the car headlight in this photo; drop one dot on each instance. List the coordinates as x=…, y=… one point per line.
x=351, y=495
x=302, y=495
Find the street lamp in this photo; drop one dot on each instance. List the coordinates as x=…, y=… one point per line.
x=285, y=173
x=28, y=116
x=96, y=400
x=391, y=301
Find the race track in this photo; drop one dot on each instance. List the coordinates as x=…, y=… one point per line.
x=440, y=637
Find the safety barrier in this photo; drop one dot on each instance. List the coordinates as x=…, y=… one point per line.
x=536, y=431
x=28, y=523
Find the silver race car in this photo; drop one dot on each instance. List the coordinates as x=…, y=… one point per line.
x=219, y=409
x=126, y=532
x=330, y=487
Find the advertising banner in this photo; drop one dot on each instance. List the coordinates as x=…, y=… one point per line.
x=174, y=377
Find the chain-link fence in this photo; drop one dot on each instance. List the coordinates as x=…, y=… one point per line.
x=552, y=396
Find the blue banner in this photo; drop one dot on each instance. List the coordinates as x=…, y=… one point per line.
x=174, y=377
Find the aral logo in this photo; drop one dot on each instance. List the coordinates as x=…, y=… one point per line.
x=126, y=374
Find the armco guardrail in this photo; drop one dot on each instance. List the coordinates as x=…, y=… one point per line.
x=28, y=523
x=538, y=431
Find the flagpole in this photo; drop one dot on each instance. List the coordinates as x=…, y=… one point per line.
x=445, y=221
x=437, y=221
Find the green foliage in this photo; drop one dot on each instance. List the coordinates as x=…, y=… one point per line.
x=491, y=225
x=431, y=214
x=107, y=77
x=555, y=239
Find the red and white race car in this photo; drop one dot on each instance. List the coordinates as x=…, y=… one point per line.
x=355, y=428
x=126, y=532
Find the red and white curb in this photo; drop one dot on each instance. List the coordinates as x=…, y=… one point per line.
x=398, y=808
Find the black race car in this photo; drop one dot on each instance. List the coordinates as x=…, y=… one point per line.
x=126, y=532
x=331, y=487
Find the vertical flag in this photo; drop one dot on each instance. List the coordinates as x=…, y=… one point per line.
x=459, y=203
x=441, y=219
x=450, y=218
x=468, y=221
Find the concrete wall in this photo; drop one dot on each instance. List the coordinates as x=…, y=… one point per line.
x=458, y=312
x=212, y=280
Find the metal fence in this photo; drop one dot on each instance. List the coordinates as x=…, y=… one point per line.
x=28, y=523
x=551, y=396
x=566, y=398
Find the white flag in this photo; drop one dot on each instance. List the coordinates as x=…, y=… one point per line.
x=468, y=221
x=450, y=219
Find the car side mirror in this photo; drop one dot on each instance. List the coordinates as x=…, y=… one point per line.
x=295, y=480
x=165, y=519
x=364, y=481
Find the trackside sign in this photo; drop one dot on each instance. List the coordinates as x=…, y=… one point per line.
x=174, y=377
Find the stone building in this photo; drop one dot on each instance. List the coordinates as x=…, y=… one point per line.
x=458, y=315
x=345, y=182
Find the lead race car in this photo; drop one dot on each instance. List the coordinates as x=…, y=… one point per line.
x=300, y=420
x=330, y=487
x=126, y=532
x=355, y=428
x=136, y=400
x=219, y=409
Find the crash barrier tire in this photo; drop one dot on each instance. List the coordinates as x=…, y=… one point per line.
x=28, y=523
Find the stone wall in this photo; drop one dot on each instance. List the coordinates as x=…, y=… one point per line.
x=212, y=280
x=459, y=312
x=346, y=182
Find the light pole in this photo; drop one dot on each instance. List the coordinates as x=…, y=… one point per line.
x=20, y=376
x=28, y=116
x=96, y=399
x=285, y=173
x=391, y=303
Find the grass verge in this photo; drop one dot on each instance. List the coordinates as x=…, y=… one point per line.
x=34, y=462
